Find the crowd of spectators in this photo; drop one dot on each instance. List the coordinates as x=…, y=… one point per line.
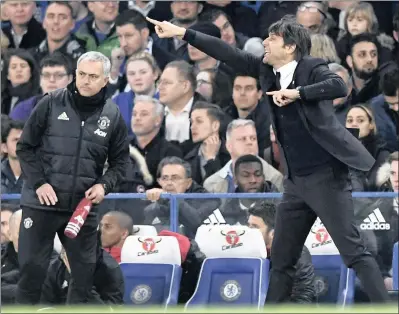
x=195, y=125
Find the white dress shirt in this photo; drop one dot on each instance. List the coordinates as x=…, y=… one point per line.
x=287, y=73
x=178, y=126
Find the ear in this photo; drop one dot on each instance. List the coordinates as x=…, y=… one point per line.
x=4, y=148
x=228, y=146
x=291, y=48
x=396, y=35
x=158, y=121
x=70, y=78
x=349, y=61
x=259, y=94
x=145, y=32
x=189, y=183
x=215, y=126
x=73, y=25
x=200, y=8
x=90, y=6
x=186, y=86
x=125, y=234
x=106, y=79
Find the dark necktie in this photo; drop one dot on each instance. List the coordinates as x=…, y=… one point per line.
x=278, y=76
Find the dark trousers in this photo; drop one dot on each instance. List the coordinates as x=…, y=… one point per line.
x=35, y=245
x=326, y=194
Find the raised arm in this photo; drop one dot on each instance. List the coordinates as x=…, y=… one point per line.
x=237, y=59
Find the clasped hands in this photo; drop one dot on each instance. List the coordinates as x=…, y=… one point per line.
x=284, y=97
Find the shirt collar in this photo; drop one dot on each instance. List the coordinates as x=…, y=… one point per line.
x=97, y=30
x=148, y=7
x=187, y=108
x=287, y=69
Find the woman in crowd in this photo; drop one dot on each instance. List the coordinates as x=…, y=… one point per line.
x=360, y=117
x=323, y=47
x=20, y=79
x=215, y=86
x=142, y=72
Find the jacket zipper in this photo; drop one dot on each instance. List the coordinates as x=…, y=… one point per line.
x=76, y=166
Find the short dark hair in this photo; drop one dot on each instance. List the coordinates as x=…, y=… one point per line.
x=293, y=33
x=212, y=15
x=13, y=124
x=266, y=211
x=393, y=157
x=131, y=17
x=5, y=124
x=57, y=59
x=213, y=111
x=244, y=160
x=9, y=207
x=173, y=160
x=186, y=70
x=247, y=75
x=64, y=3
x=124, y=220
x=389, y=82
x=364, y=37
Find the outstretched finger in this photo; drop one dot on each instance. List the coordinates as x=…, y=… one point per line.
x=155, y=22
x=272, y=93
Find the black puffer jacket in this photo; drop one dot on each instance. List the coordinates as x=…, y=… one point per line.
x=192, y=212
x=65, y=143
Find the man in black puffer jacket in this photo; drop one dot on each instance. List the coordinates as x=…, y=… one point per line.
x=62, y=151
x=174, y=176
x=261, y=217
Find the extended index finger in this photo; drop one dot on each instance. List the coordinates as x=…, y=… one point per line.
x=272, y=93
x=155, y=22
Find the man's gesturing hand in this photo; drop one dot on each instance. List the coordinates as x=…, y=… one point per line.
x=284, y=97
x=46, y=195
x=167, y=30
x=96, y=193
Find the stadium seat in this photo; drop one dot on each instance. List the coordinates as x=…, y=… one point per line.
x=395, y=262
x=144, y=230
x=236, y=271
x=334, y=282
x=151, y=269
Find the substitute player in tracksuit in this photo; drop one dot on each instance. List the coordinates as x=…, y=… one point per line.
x=63, y=148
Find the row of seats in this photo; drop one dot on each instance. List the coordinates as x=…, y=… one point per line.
x=235, y=272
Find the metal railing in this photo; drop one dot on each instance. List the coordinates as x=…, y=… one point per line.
x=174, y=198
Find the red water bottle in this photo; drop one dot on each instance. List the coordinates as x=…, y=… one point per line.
x=78, y=218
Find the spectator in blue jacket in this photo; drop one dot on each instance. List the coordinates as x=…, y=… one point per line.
x=386, y=109
x=142, y=73
x=55, y=72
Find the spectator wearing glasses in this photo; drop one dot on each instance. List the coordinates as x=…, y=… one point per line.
x=59, y=23
x=24, y=31
x=215, y=87
x=312, y=15
x=174, y=176
x=55, y=73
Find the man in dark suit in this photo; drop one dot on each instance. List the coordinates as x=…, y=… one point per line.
x=316, y=149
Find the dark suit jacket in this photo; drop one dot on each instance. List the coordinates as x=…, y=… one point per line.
x=316, y=111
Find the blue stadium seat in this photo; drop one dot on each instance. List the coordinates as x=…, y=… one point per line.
x=151, y=270
x=235, y=272
x=395, y=262
x=334, y=282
